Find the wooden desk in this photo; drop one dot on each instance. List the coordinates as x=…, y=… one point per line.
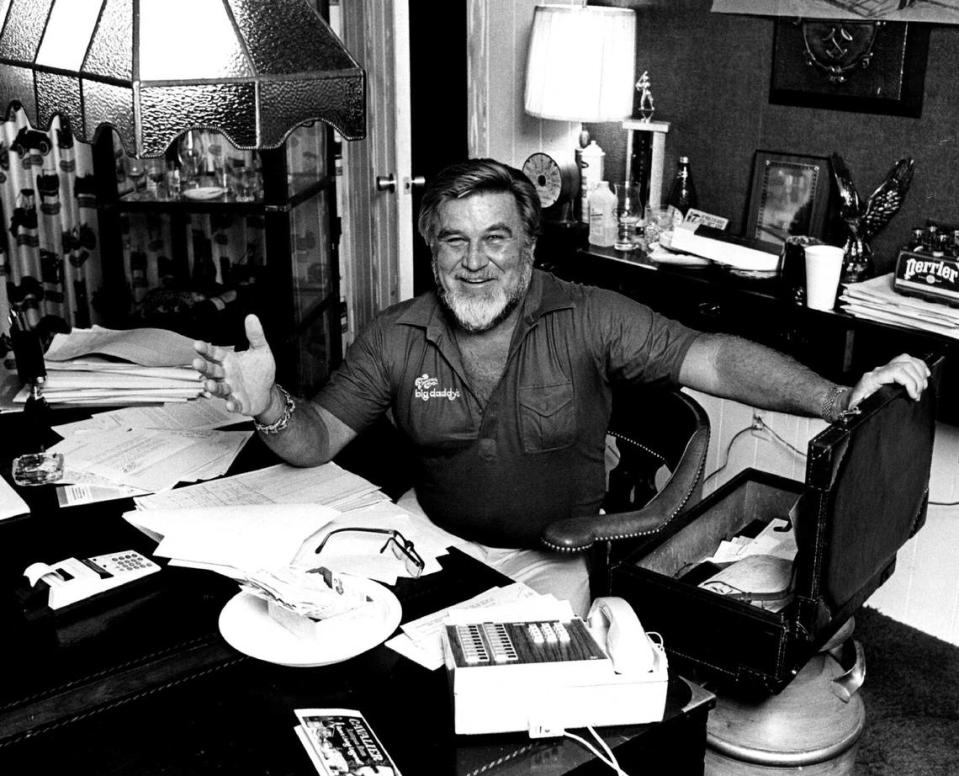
x=149, y=686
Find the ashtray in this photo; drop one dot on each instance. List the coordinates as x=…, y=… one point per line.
x=37, y=468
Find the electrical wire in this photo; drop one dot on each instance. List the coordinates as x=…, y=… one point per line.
x=758, y=424
x=729, y=448
x=609, y=760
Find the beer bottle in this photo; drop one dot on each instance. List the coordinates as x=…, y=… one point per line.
x=682, y=193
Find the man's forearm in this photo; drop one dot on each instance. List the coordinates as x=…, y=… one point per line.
x=295, y=430
x=735, y=368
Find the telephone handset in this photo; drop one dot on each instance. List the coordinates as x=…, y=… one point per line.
x=614, y=624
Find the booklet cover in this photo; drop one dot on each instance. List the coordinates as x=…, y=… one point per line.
x=341, y=742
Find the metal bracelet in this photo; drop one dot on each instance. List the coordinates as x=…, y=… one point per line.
x=281, y=422
x=829, y=409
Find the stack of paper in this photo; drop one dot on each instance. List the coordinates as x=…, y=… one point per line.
x=138, y=450
x=239, y=541
x=876, y=300
x=99, y=366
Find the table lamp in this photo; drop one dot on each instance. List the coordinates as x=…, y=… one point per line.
x=152, y=69
x=581, y=65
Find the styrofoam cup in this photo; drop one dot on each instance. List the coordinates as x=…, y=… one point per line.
x=823, y=268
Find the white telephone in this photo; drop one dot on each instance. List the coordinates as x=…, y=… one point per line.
x=614, y=624
x=73, y=580
x=546, y=676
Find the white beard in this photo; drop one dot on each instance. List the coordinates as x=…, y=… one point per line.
x=479, y=312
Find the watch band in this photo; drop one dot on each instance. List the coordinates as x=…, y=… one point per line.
x=830, y=408
x=281, y=422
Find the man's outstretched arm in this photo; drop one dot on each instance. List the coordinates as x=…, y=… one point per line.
x=299, y=431
x=735, y=368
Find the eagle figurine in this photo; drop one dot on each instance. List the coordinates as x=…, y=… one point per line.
x=864, y=221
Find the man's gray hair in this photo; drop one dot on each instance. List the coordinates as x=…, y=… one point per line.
x=475, y=176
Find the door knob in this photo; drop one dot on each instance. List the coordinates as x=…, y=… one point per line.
x=386, y=182
x=416, y=182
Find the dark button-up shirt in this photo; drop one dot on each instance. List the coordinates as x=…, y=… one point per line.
x=535, y=453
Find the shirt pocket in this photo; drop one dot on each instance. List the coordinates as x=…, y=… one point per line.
x=546, y=417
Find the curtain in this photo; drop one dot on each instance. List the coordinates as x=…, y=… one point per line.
x=49, y=249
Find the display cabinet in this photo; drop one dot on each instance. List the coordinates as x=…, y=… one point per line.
x=195, y=241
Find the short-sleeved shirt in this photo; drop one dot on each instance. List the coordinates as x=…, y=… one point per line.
x=535, y=453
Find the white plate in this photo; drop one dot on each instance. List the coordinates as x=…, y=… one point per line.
x=204, y=192
x=247, y=627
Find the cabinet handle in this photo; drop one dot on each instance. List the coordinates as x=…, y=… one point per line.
x=386, y=182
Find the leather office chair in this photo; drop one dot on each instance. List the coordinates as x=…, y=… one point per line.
x=652, y=428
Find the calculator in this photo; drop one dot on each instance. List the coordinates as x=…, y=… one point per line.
x=76, y=579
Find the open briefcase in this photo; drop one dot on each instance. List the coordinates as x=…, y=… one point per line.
x=865, y=493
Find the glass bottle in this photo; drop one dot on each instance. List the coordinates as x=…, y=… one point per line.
x=682, y=193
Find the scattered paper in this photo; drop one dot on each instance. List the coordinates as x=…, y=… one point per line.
x=329, y=484
x=421, y=639
x=144, y=346
x=240, y=540
x=11, y=504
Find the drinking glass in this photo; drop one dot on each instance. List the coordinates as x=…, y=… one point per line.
x=135, y=172
x=629, y=212
x=659, y=226
x=155, y=172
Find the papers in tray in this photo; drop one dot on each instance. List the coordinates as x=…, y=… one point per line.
x=97, y=367
x=876, y=300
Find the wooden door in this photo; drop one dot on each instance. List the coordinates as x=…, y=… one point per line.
x=414, y=53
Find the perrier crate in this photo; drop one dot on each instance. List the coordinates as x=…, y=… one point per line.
x=935, y=278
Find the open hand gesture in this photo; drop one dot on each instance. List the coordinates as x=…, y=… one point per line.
x=244, y=378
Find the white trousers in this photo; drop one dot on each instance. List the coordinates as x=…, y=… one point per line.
x=565, y=576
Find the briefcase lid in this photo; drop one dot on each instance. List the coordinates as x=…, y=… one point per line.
x=867, y=487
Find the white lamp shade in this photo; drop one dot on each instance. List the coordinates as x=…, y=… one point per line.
x=582, y=63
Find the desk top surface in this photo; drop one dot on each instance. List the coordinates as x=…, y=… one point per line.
x=146, y=684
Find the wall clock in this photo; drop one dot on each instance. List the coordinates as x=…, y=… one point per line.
x=556, y=184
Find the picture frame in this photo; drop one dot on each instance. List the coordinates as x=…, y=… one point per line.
x=861, y=66
x=788, y=195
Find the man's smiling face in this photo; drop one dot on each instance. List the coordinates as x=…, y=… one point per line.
x=482, y=259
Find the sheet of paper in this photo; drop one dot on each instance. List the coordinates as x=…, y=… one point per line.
x=147, y=347
x=11, y=504
x=103, y=366
x=149, y=460
x=249, y=537
x=361, y=553
x=422, y=637
x=68, y=380
x=328, y=484
x=77, y=494
x=111, y=397
x=200, y=414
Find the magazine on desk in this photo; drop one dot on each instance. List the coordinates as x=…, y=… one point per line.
x=341, y=741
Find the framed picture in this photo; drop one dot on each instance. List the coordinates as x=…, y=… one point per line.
x=789, y=195
x=861, y=66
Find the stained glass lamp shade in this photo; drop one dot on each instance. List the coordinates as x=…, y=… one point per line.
x=152, y=69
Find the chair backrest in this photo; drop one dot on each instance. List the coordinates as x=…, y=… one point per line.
x=653, y=428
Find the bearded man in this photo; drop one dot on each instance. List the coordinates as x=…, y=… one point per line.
x=502, y=379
